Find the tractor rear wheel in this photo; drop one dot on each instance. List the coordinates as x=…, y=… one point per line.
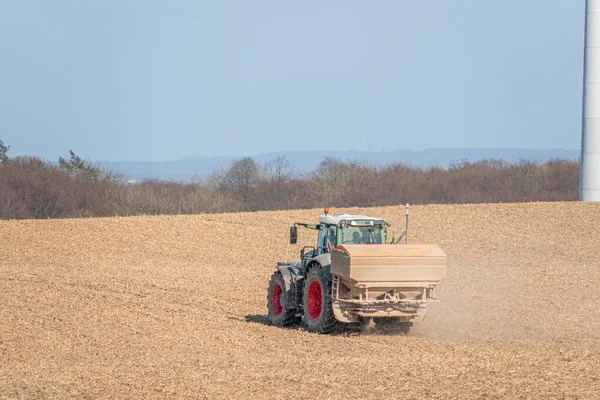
x=318, y=309
x=280, y=302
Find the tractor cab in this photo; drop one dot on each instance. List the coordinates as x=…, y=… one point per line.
x=341, y=229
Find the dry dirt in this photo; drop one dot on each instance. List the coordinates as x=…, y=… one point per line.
x=175, y=307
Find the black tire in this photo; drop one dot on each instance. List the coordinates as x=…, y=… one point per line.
x=318, y=310
x=280, y=302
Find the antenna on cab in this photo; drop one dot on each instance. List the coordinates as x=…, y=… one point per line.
x=405, y=233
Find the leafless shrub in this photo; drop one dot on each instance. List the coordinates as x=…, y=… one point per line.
x=32, y=188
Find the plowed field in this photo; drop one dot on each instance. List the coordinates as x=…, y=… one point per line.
x=174, y=307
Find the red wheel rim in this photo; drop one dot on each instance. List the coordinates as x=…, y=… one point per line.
x=276, y=300
x=314, y=299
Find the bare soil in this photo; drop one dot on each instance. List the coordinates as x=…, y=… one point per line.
x=174, y=306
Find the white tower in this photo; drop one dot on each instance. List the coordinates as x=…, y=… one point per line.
x=589, y=183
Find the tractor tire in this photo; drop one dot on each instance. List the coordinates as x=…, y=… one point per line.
x=280, y=302
x=317, y=301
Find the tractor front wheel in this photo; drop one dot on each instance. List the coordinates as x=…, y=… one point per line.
x=318, y=310
x=279, y=302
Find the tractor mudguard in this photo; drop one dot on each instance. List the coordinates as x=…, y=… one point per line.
x=294, y=280
x=289, y=274
x=324, y=260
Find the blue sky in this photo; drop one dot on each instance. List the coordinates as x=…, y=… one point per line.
x=157, y=80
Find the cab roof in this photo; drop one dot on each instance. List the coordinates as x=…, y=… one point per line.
x=348, y=218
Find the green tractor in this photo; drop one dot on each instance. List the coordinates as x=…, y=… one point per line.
x=353, y=276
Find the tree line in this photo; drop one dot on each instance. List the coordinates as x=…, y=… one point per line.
x=33, y=188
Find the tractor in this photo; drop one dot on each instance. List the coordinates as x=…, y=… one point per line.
x=352, y=275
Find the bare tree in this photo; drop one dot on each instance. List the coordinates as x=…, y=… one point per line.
x=333, y=175
x=279, y=169
x=241, y=179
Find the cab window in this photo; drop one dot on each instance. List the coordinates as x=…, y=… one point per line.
x=330, y=241
x=362, y=235
x=321, y=240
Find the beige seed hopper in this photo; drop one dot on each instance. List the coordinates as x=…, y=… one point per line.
x=385, y=280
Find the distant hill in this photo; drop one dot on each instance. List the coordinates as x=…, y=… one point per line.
x=197, y=167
